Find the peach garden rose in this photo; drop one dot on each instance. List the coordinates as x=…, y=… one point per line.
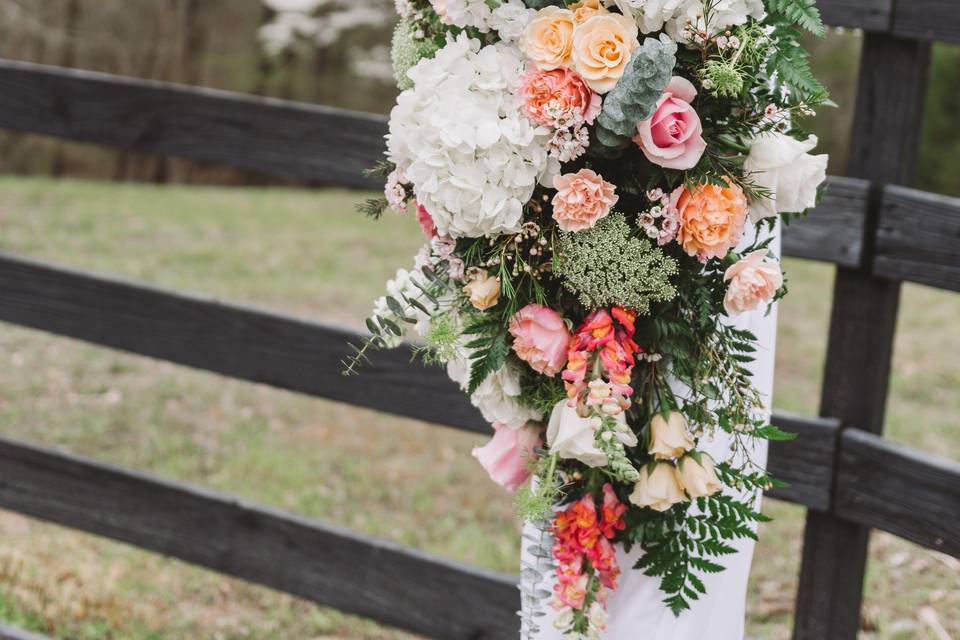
x=547, y=94
x=711, y=219
x=582, y=198
x=752, y=280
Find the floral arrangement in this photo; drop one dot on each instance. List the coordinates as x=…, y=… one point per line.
x=598, y=183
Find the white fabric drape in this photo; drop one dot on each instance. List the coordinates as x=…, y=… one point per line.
x=636, y=609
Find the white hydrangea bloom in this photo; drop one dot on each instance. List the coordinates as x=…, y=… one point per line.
x=674, y=16
x=459, y=136
x=467, y=13
x=497, y=397
x=510, y=20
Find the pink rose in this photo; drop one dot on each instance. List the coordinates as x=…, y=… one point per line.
x=426, y=222
x=508, y=453
x=540, y=338
x=672, y=137
x=582, y=199
x=755, y=278
x=552, y=97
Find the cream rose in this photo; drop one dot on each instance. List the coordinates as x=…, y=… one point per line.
x=659, y=489
x=484, y=291
x=669, y=438
x=783, y=165
x=548, y=39
x=586, y=9
x=752, y=280
x=602, y=46
x=699, y=477
x=573, y=437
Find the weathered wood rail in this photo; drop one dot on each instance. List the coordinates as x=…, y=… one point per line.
x=877, y=233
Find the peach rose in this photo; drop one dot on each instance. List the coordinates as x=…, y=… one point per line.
x=585, y=9
x=672, y=137
x=755, y=278
x=698, y=475
x=507, y=456
x=582, y=199
x=540, y=338
x=711, y=219
x=548, y=38
x=483, y=290
x=545, y=92
x=602, y=46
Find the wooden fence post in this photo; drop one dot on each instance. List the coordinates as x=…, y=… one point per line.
x=886, y=133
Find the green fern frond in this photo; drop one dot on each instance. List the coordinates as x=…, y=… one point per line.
x=803, y=13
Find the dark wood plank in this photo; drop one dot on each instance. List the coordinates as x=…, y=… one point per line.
x=919, y=238
x=807, y=462
x=237, y=341
x=295, y=140
x=8, y=632
x=870, y=15
x=892, y=86
x=834, y=230
x=910, y=493
x=928, y=19
x=354, y=573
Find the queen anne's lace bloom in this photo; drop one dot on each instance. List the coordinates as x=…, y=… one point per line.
x=675, y=16
x=460, y=137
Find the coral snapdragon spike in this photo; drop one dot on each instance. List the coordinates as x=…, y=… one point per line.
x=584, y=550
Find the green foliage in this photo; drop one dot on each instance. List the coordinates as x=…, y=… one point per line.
x=373, y=207
x=803, y=13
x=607, y=265
x=636, y=94
x=683, y=542
x=489, y=348
x=534, y=589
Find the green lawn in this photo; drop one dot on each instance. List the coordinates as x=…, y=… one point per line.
x=309, y=253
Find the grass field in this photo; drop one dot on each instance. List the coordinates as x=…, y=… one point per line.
x=310, y=254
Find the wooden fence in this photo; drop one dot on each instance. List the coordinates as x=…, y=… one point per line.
x=848, y=477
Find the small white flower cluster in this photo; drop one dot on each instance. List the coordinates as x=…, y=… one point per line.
x=460, y=138
x=395, y=193
x=570, y=137
x=683, y=20
x=498, y=396
x=661, y=221
x=569, y=143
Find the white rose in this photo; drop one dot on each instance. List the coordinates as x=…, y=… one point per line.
x=782, y=165
x=659, y=489
x=669, y=438
x=699, y=478
x=570, y=436
x=498, y=396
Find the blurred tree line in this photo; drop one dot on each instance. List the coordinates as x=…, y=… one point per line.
x=332, y=52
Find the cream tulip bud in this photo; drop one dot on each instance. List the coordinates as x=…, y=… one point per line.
x=698, y=475
x=659, y=489
x=484, y=291
x=669, y=438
